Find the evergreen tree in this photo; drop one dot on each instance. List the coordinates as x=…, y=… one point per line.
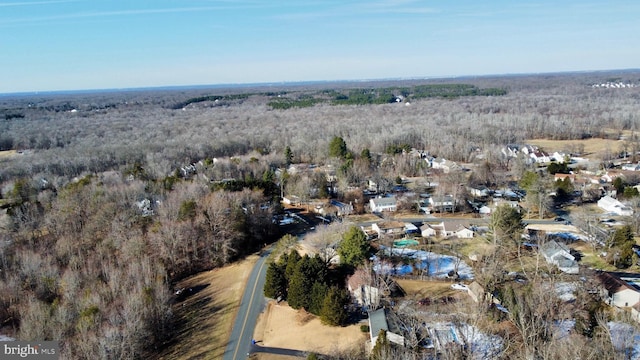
x=506, y=224
x=300, y=285
x=354, y=247
x=366, y=155
x=334, y=307
x=292, y=262
x=528, y=180
x=318, y=294
x=618, y=183
x=288, y=156
x=630, y=192
x=564, y=188
x=621, y=244
x=338, y=148
x=275, y=283
x=382, y=347
x=268, y=176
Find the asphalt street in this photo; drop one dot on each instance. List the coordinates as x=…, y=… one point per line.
x=251, y=306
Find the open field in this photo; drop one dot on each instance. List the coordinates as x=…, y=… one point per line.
x=280, y=326
x=7, y=153
x=206, y=317
x=592, y=147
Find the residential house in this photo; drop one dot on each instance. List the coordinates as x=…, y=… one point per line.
x=436, y=230
x=621, y=289
x=460, y=229
x=631, y=167
x=410, y=229
x=559, y=255
x=498, y=201
x=463, y=232
x=388, y=228
x=484, y=210
x=359, y=285
x=510, y=151
x=559, y=157
x=479, y=191
x=536, y=155
x=382, y=319
x=444, y=203
x=342, y=208
x=562, y=177
x=610, y=204
x=443, y=164
x=382, y=204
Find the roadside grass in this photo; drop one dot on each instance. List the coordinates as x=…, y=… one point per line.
x=204, y=320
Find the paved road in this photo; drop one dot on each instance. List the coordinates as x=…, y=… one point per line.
x=251, y=306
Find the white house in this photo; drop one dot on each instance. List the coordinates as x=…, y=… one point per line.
x=610, y=204
x=428, y=230
x=540, y=157
x=463, y=233
x=383, y=204
x=621, y=290
x=443, y=164
x=392, y=228
x=442, y=203
x=559, y=255
x=479, y=192
x=359, y=285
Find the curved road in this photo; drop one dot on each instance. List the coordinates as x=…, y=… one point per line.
x=250, y=307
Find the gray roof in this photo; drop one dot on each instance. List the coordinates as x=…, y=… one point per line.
x=377, y=322
x=384, y=201
x=552, y=247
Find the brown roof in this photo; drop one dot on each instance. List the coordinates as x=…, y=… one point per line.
x=613, y=283
x=390, y=224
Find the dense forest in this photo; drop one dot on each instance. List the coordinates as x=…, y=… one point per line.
x=109, y=198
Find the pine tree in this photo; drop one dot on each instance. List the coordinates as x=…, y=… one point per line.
x=288, y=156
x=275, y=283
x=292, y=263
x=300, y=284
x=354, y=247
x=318, y=294
x=382, y=347
x=338, y=148
x=334, y=307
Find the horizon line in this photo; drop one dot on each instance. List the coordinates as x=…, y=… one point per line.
x=293, y=83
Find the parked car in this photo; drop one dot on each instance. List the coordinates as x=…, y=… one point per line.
x=458, y=286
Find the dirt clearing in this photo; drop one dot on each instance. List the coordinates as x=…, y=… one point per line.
x=280, y=326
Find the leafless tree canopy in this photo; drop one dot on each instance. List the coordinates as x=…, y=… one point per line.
x=111, y=197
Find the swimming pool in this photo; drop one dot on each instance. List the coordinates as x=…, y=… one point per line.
x=405, y=242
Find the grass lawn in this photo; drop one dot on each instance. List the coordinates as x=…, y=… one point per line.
x=419, y=289
x=205, y=319
x=592, y=147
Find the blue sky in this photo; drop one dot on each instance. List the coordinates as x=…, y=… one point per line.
x=96, y=44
